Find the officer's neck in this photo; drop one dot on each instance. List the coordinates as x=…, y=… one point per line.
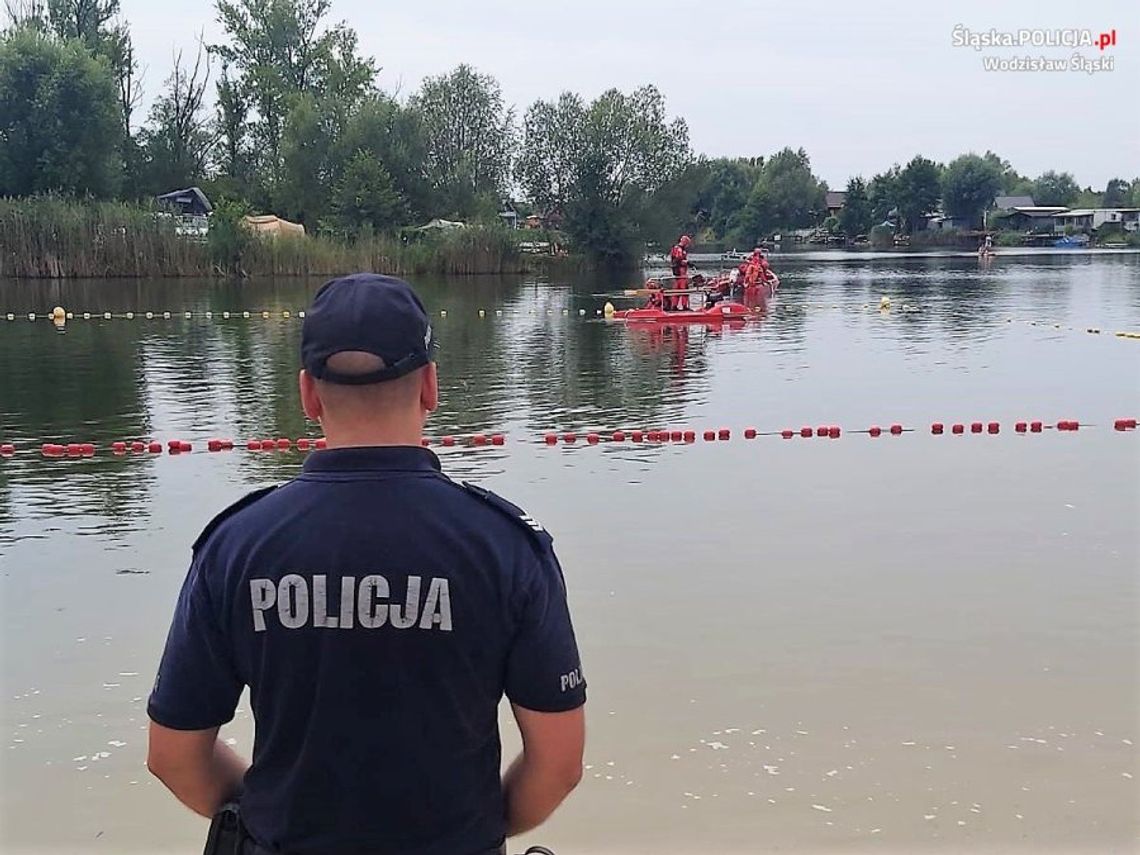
x=373, y=433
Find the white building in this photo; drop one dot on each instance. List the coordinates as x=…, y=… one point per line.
x=1090, y=219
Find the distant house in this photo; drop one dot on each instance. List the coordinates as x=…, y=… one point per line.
x=191, y=202
x=509, y=216
x=939, y=221
x=190, y=210
x=549, y=220
x=1008, y=203
x=1091, y=219
x=834, y=202
x=1027, y=218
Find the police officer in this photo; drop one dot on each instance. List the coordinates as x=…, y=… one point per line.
x=378, y=612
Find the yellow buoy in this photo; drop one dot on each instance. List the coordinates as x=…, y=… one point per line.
x=265, y=316
x=885, y=302
x=286, y=314
x=608, y=310
x=58, y=313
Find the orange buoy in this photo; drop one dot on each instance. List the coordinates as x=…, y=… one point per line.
x=750, y=433
x=498, y=439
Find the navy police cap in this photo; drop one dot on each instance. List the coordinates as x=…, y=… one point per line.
x=366, y=312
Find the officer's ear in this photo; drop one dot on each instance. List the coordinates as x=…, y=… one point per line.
x=429, y=389
x=310, y=400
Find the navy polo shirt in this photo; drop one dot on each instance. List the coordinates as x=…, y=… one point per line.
x=378, y=612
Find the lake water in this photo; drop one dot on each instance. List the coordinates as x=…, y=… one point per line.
x=905, y=643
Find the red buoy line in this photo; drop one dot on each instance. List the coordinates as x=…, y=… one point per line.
x=174, y=447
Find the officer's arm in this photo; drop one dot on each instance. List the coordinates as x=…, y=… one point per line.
x=203, y=772
x=549, y=768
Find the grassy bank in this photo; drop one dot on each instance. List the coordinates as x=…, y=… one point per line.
x=51, y=238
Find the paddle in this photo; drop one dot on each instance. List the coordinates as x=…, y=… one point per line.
x=645, y=292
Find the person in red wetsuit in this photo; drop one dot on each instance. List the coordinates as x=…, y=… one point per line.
x=679, y=260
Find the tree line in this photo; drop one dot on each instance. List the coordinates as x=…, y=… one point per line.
x=284, y=114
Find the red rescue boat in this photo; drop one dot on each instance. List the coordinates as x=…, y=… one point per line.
x=726, y=310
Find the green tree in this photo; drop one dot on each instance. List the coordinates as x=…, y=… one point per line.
x=365, y=196
x=969, y=185
x=884, y=192
x=394, y=136
x=919, y=192
x=234, y=158
x=1116, y=193
x=278, y=50
x=618, y=153
x=180, y=137
x=1055, y=188
x=308, y=172
x=787, y=195
x=553, y=135
x=855, y=217
x=468, y=132
x=1012, y=183
x=1134, y=193
x=726, y=190
x=60, y=125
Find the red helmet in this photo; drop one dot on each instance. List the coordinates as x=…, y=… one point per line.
x=685, y=240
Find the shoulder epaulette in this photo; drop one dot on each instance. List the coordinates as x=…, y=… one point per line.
x=521, y=518
x=244, y=502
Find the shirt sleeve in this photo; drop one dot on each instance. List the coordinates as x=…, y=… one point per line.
x=544, y=672
x=197, y=687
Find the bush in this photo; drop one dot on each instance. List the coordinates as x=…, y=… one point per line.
x=52, y=237
x=882, y=237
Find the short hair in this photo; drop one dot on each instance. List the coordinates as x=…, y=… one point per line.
x=369, y=396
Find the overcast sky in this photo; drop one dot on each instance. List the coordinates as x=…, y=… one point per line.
x=859, y=85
